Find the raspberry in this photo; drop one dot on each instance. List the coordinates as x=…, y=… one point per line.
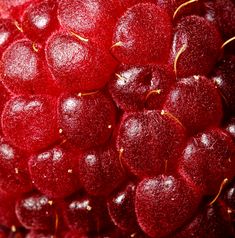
x=36, y=211
x=150, y=140
x=223, y=78
x=25, y=121
x=7, y=211
x=16, y=74
x=224, y=13
x=125, y=4
x=164, y=203
x=175, y=9
x=13, y=8
x=211, y=221
x=117, y=118
x=39, y=234
x=230, y=128
x=39, y=20
x=85, y=215
x=4, y=97
x=140, y=33
x=196, y=103
x=14, y=175
x=209, y=158
x=195, y=48
x=122, y=208
x=85, y=127
x=55, y=172
x=86, y=67
x=100, y=170
x=91, y=19
x=138, y=87
x=8, y=33
x=229, y=199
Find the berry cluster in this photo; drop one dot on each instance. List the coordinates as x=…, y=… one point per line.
x=117, y=118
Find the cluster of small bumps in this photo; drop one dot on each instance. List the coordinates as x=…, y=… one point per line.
x=117, y=118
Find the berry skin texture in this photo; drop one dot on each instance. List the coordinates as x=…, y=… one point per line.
x=78, y=65
x=225, y=17
x=23, y=70
x=230, y=128
x=12, y=8
x=196, y=102
x=193, y=8
x=91, y=19
x=86, y=120
x=137, y=87
x=223, y=77
x=148, y=141
x=4, y=97
x=125, y=4
x=229, y=199
x=117, y=118
x=142, y=35
x=55, y=171
x=7, y=211
x=39, y=20
x=14, y=175
x=100, y=170
x=39, y=234
x=35, y=211
x=164, y=203
x=201, y=42
x=208, y=159
x=121, y=208
x=8, y=33
x=209, y=222
x=85, y=215
x=25, y=122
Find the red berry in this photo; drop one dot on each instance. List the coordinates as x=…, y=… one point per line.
x=230, y=128
x=40, y=234
x=8, y=34
x=87, y=67
x=225, y=17
x=150, y=140
x=36, y=211
x=123, y=112
x=209, y=11
x=13, y=8
x=209, y=222
x=91, y=19
x=196, y=102
x=7, y=211
x=122, y=208
x=138, y=87
x=55, y=171
x=192, y=8
x=125, y=4
x=196, y=46
x=142, y=35
x=87, y=120
x=85, y=215
x=14, y=175
x=4, y=97
x=100, y=170
x=39, y=20
x=208, y=159
x=23, y=70
x=223, y=77
x=229, y=199
x=165, y=203
x=229, y=195
x=29, y=122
